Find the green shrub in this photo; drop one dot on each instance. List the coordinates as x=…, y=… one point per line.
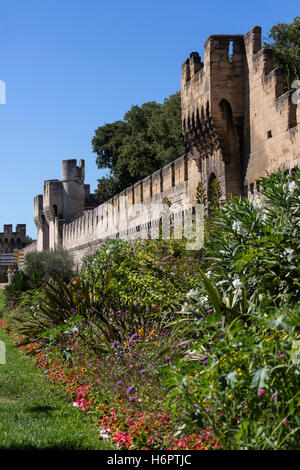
x=12, y=292
x=257, y=243
x=122, y=288
x=241, y=373
x=49, y=264
x=155, y=274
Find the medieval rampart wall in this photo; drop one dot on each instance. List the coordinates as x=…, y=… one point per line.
x=239, y=123
x=274, y=117
x=176, y=182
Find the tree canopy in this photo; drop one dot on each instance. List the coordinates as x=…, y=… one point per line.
x=285, y=41
x=148, y=138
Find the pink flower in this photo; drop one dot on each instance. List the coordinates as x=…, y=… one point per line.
x=260, y=392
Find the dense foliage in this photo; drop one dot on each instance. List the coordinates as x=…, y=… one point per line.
x=148, y=138
x=241, y=373
x=177, y=349
x=285, y=41
x=49, y=264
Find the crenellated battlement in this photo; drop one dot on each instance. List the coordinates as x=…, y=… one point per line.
x=62, y=201
x=72, y=172
x=233, y=103
x=10, y=240
x=238, y=121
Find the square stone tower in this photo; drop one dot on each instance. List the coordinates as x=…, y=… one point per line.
x=62, y=202
x=238, y=119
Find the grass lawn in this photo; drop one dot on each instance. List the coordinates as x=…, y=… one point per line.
x=1, y=302
x=33, y=415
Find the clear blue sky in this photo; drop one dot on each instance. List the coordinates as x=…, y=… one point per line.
x=73, y=65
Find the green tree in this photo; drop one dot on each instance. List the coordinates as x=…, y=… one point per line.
x=148, y=138
x=285, y=41
x=29, y=240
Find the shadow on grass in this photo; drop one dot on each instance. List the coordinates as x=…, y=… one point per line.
x=41, y=409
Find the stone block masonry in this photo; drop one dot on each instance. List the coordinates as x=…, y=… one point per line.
x=238, y=120
x=127, y=214
x=239, y=123
x=10, y=240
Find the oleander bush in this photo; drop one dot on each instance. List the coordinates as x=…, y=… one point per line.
x=241, y=373
x=257, y=243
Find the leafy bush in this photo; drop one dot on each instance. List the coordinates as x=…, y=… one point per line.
x=153, y=274
x=257, y=243
x=240, y=378
x=12, y=292
x=49, y=264
x=122, y=289
x=241, y=373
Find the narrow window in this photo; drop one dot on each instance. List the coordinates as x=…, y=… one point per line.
x=292, y=115
x=230, y=51
x=142, y=192
x=173, y=174
x=207, y=109
x=269, y=134
x=186, y=168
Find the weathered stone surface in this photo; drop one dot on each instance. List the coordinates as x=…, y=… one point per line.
x=239, y=123
x=238, y=119
x=10, y=240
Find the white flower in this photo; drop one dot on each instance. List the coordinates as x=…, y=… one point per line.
x=264, y=216
x=104, y=435
x=237, y=226
x=288, y=252
x=292, y=186
x=191, y=293
x=257, y=203
x=208, y=274
x=203, y=299
x=75, y=404
x=184, y=308
x=237, y=284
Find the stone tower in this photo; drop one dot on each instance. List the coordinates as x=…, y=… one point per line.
x=62, y=202
x=238, y=118
x=10, y=240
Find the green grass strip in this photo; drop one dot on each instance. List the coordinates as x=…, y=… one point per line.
x=35, y=416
